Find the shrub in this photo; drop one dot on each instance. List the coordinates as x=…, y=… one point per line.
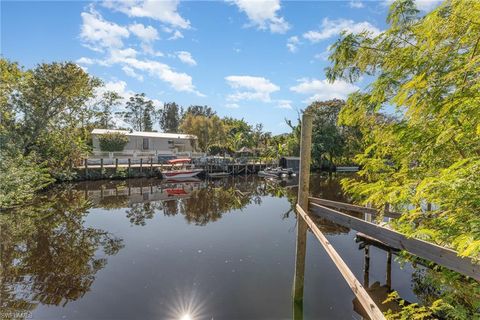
x=20, y=177
x=113, y=141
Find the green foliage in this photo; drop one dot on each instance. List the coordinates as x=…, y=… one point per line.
x=113, y=141
x=209, y=130
x=20, y=177
x=219, y=149
x=414, y=311
x=44, y=125
x=427, y=68
x=196, y=110
x=170, y=117
x=140, y=113
x=331, y=142
x=460, y=296
x=104, y=109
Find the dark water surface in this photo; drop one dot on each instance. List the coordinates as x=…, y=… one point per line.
x=146, y=249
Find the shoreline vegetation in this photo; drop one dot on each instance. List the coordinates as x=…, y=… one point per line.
x=49, y=112
x=426, y=151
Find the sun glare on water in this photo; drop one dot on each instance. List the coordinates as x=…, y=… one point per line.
x=186, y=317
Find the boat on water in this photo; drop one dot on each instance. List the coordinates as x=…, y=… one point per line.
x=277, y=173
x=181, y=169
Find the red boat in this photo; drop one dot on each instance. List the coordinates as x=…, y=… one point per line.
x=181, y=168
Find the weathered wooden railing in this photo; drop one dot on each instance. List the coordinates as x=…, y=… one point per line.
x=328, y=209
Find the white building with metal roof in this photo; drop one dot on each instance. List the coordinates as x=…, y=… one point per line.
x=157, y=143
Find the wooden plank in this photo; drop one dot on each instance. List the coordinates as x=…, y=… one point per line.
x=363, y=297
x=352, y=207
x=423, y=249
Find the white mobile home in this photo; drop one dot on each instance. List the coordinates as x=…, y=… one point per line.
x=157, y=143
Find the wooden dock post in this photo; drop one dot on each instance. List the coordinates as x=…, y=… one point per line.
x=101, y=167
x=116, y=165
x=303, y=192
x=86, y=168
x=129, y=164
x=141, y=165
x=151, y=166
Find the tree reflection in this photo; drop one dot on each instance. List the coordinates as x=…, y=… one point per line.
x=48, y=255
x=203, y=202
x=460, y=293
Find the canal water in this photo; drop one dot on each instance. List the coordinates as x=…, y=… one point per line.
x=147, y=249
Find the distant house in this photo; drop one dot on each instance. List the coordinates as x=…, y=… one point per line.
x=157, y=143
x=290, y=162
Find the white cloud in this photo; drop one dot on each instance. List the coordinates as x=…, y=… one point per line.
x=99, y=34
x=102, y=35
x=118, y=55
x=357, y=4
x=251, y=88
x=292, y=43
x=165, y=11
x=232, y=106
x=323, y=90
x=284, y=104
x=178, y=80
x=85, y=60
x=176, y=35
x=148, y=49
x=330, y=28
x=130, y=72
x=146, y=34
x=186, y=57
x=263, y=14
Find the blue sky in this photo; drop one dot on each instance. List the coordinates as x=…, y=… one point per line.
x=257, y=60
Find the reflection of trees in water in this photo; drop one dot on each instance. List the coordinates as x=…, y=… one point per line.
x=462, y=294
x=47, y=254
x=170, y=207
x=207, y=201
x=208, y=204
x=139, y=212
x=116, y=202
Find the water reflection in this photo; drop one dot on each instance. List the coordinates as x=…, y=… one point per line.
x=200, y=201
x=48, y=256
x=199, y=249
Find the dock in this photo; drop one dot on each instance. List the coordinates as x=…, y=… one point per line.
x=94, y=169
x=368, y=232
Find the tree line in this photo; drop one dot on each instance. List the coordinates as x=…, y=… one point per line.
x=48, y=113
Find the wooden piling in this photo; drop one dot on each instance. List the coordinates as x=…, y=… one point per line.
x=86, y=168
x=129, y=164
x=366, y=301
x=141, y=165
x=303, y=192
x=101, y=167
x=151, y=166
x=116, y=165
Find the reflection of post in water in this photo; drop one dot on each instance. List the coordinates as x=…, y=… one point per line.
x=366, y=267
x=388, y=278
x=378, y=292
x=298, y=280
x=303, y=192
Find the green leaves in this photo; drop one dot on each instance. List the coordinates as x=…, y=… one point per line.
x=113, y=141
